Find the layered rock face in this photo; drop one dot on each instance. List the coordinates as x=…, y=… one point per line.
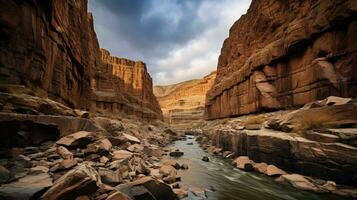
x=50, y=47
x=122, y=85
x=184, y=102
x=283, y=54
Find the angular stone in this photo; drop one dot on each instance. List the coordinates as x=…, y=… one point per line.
x=82, y=180
x=79, y=139
x=147, y=188
x=131, y=139
x=29, y=187
x=121, y=154
x=272, y=170
x=260, y=167
x=244, y=163
x=64, y=153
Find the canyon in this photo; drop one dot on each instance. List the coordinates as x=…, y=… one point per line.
x=79, y=123
x=285, y=54
x=183, y=103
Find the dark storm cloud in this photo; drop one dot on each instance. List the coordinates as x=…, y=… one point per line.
x=178, y=39
x=152, y=27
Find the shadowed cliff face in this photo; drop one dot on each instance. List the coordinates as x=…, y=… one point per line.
x=184, y=102
x=282, y=54
x=51, y=48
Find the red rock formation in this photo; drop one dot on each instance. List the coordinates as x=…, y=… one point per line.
x=286, y=53
x=184, y=102
x=122, y=85
x=51, y=48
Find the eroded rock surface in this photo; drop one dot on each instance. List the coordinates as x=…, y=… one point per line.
x=283, y=54
x=183, y=103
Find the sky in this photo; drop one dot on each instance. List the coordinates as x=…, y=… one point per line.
x=177, y=39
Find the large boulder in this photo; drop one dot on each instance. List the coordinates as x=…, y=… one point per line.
x=147, y=188
x=83, y=180
x=28, y=187
x=244, y=163
x=79, y=139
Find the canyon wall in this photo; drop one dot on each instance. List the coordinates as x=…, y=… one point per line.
x=284, y=54
x=51, y=48
x=124, y=86
x=184, y=102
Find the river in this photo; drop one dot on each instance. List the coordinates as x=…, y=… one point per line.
x=224, y=182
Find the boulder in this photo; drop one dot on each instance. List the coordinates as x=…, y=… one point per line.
x=64, y=153
x=121, y=155
x=172, y=163
x=153, y=150
x=176, y=154
x=205, y=158
x=110, y=177
x=244, y=163
x=147, y=188
x=83, y=180
x=131, y=139
x=26, y=188
x=260, y=167
x=168, y=170
x=180, y=193
x=136, y=148
x=298, y=181
x=79, y=139
x=272, y=170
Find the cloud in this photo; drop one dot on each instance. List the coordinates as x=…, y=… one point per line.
x=179, y=40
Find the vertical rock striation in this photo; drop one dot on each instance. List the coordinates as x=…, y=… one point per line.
x=122, y=85
x=286, y=53
x=51, y=48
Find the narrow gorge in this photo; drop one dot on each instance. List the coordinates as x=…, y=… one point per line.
x=118, y=100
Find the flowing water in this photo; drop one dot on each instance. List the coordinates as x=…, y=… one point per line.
x=224, y=182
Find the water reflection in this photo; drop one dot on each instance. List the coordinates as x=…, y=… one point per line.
x=224, y=182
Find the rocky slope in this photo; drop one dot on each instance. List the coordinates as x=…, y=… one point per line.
x=184, y=102
x=51, y=48
x=284, y=54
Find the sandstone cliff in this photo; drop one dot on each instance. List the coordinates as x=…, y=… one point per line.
x=184, y=102
x=51, y=48
x=283, y=54
x=122, y=85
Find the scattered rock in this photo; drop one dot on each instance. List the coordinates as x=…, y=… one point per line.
x=147, y=188
x=29, y=187
x=272, y=170
x=64, y=153
x=131, y=139
x=76, y=140
x=298, y=181
x=153, y=150
x=184, y=166
x=244, y=163
x=260, y=167
x=121, y=155
x=83, y=180
x=136, y=148
x=199, y=192
x=176, y=154
x=205, y=158
x=180, y=193
x=172, y=163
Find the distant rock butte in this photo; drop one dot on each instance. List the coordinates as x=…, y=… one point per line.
x=184, y=102
x=282, y=54
x=51, y=48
